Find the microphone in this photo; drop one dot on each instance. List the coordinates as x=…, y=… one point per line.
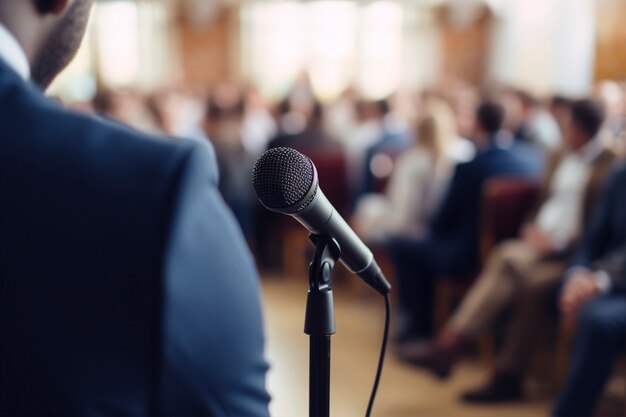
x=286, y=182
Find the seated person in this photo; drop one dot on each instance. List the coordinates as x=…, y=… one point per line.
x=451, y=247
x=395, y=138
x=522, y=273
x=418, y=182
x=593, y=300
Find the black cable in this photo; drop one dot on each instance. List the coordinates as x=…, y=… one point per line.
x=381, y=359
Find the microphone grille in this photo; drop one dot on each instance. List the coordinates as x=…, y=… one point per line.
x=282, y=177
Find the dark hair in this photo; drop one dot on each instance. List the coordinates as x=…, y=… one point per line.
x=44, y=6
x=560, y=101
x=214, y=111
x=490, y=116
x=383, y=106
x=588, y=115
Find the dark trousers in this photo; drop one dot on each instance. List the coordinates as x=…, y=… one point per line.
x=418, y=263
x=600, y=338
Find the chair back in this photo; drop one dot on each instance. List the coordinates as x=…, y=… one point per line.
x=507, y=202
x=332, y=173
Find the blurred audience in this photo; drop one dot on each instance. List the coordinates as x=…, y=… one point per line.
x=427, y=215
x=560, y=109
x=394, y=140
x=124, y=106
x=592, y=301
x=258, y=124
x=223, y=124
x=451, y=246
x=378, y=128
x=312, y=139
x=341, y=116
x=521, y=274
x=291, y=121
x=531, y=123
x=419, y=179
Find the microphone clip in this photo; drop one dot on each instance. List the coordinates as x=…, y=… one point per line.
x=320, y=313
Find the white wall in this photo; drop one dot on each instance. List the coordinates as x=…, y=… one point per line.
x=544, y=46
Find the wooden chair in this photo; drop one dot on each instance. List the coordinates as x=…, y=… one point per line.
x=505, y=206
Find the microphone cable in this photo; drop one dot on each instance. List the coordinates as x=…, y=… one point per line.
x=381, y=359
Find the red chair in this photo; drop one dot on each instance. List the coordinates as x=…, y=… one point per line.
x=332, y=172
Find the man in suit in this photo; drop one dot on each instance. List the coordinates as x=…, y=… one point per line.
x=521, y=274
x=593, y=300
x=126, y=286
x=452, y=245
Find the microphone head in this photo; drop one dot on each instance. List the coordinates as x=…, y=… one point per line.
x=284, y=180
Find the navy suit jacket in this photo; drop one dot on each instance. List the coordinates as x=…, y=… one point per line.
x=126, y=286
x=456, y=224
x=604, y=240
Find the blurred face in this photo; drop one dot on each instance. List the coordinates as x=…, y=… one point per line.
x=61, y=46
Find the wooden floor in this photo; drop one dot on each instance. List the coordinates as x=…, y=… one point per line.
x=404, y=391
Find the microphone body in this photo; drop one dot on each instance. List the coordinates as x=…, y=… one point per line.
x=311, y=208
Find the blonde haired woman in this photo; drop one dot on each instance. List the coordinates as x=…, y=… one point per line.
x=419, y=180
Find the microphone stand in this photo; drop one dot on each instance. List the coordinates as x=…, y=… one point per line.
x=319, y=322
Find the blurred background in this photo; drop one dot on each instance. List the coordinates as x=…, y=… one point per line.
x=347, y=82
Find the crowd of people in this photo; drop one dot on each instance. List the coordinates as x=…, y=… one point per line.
x=416, y=167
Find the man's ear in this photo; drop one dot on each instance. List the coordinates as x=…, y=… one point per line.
x=55, y=7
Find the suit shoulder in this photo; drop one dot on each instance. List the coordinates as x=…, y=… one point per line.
x=94, y=146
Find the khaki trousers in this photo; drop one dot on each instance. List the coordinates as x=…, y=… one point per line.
x=515, y=276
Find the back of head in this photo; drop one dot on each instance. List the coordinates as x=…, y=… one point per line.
x=587, y=116
x=436, y=127
x=489, y=117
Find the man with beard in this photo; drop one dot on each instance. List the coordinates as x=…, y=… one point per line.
x=125, y=285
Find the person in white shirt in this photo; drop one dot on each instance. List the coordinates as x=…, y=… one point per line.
x=419, y=179
x=522, y=273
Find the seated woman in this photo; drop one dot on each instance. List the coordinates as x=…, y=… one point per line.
x=419, y=180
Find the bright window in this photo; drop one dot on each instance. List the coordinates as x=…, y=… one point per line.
x=117, y=35
x=128, y=44
x=338, y=44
